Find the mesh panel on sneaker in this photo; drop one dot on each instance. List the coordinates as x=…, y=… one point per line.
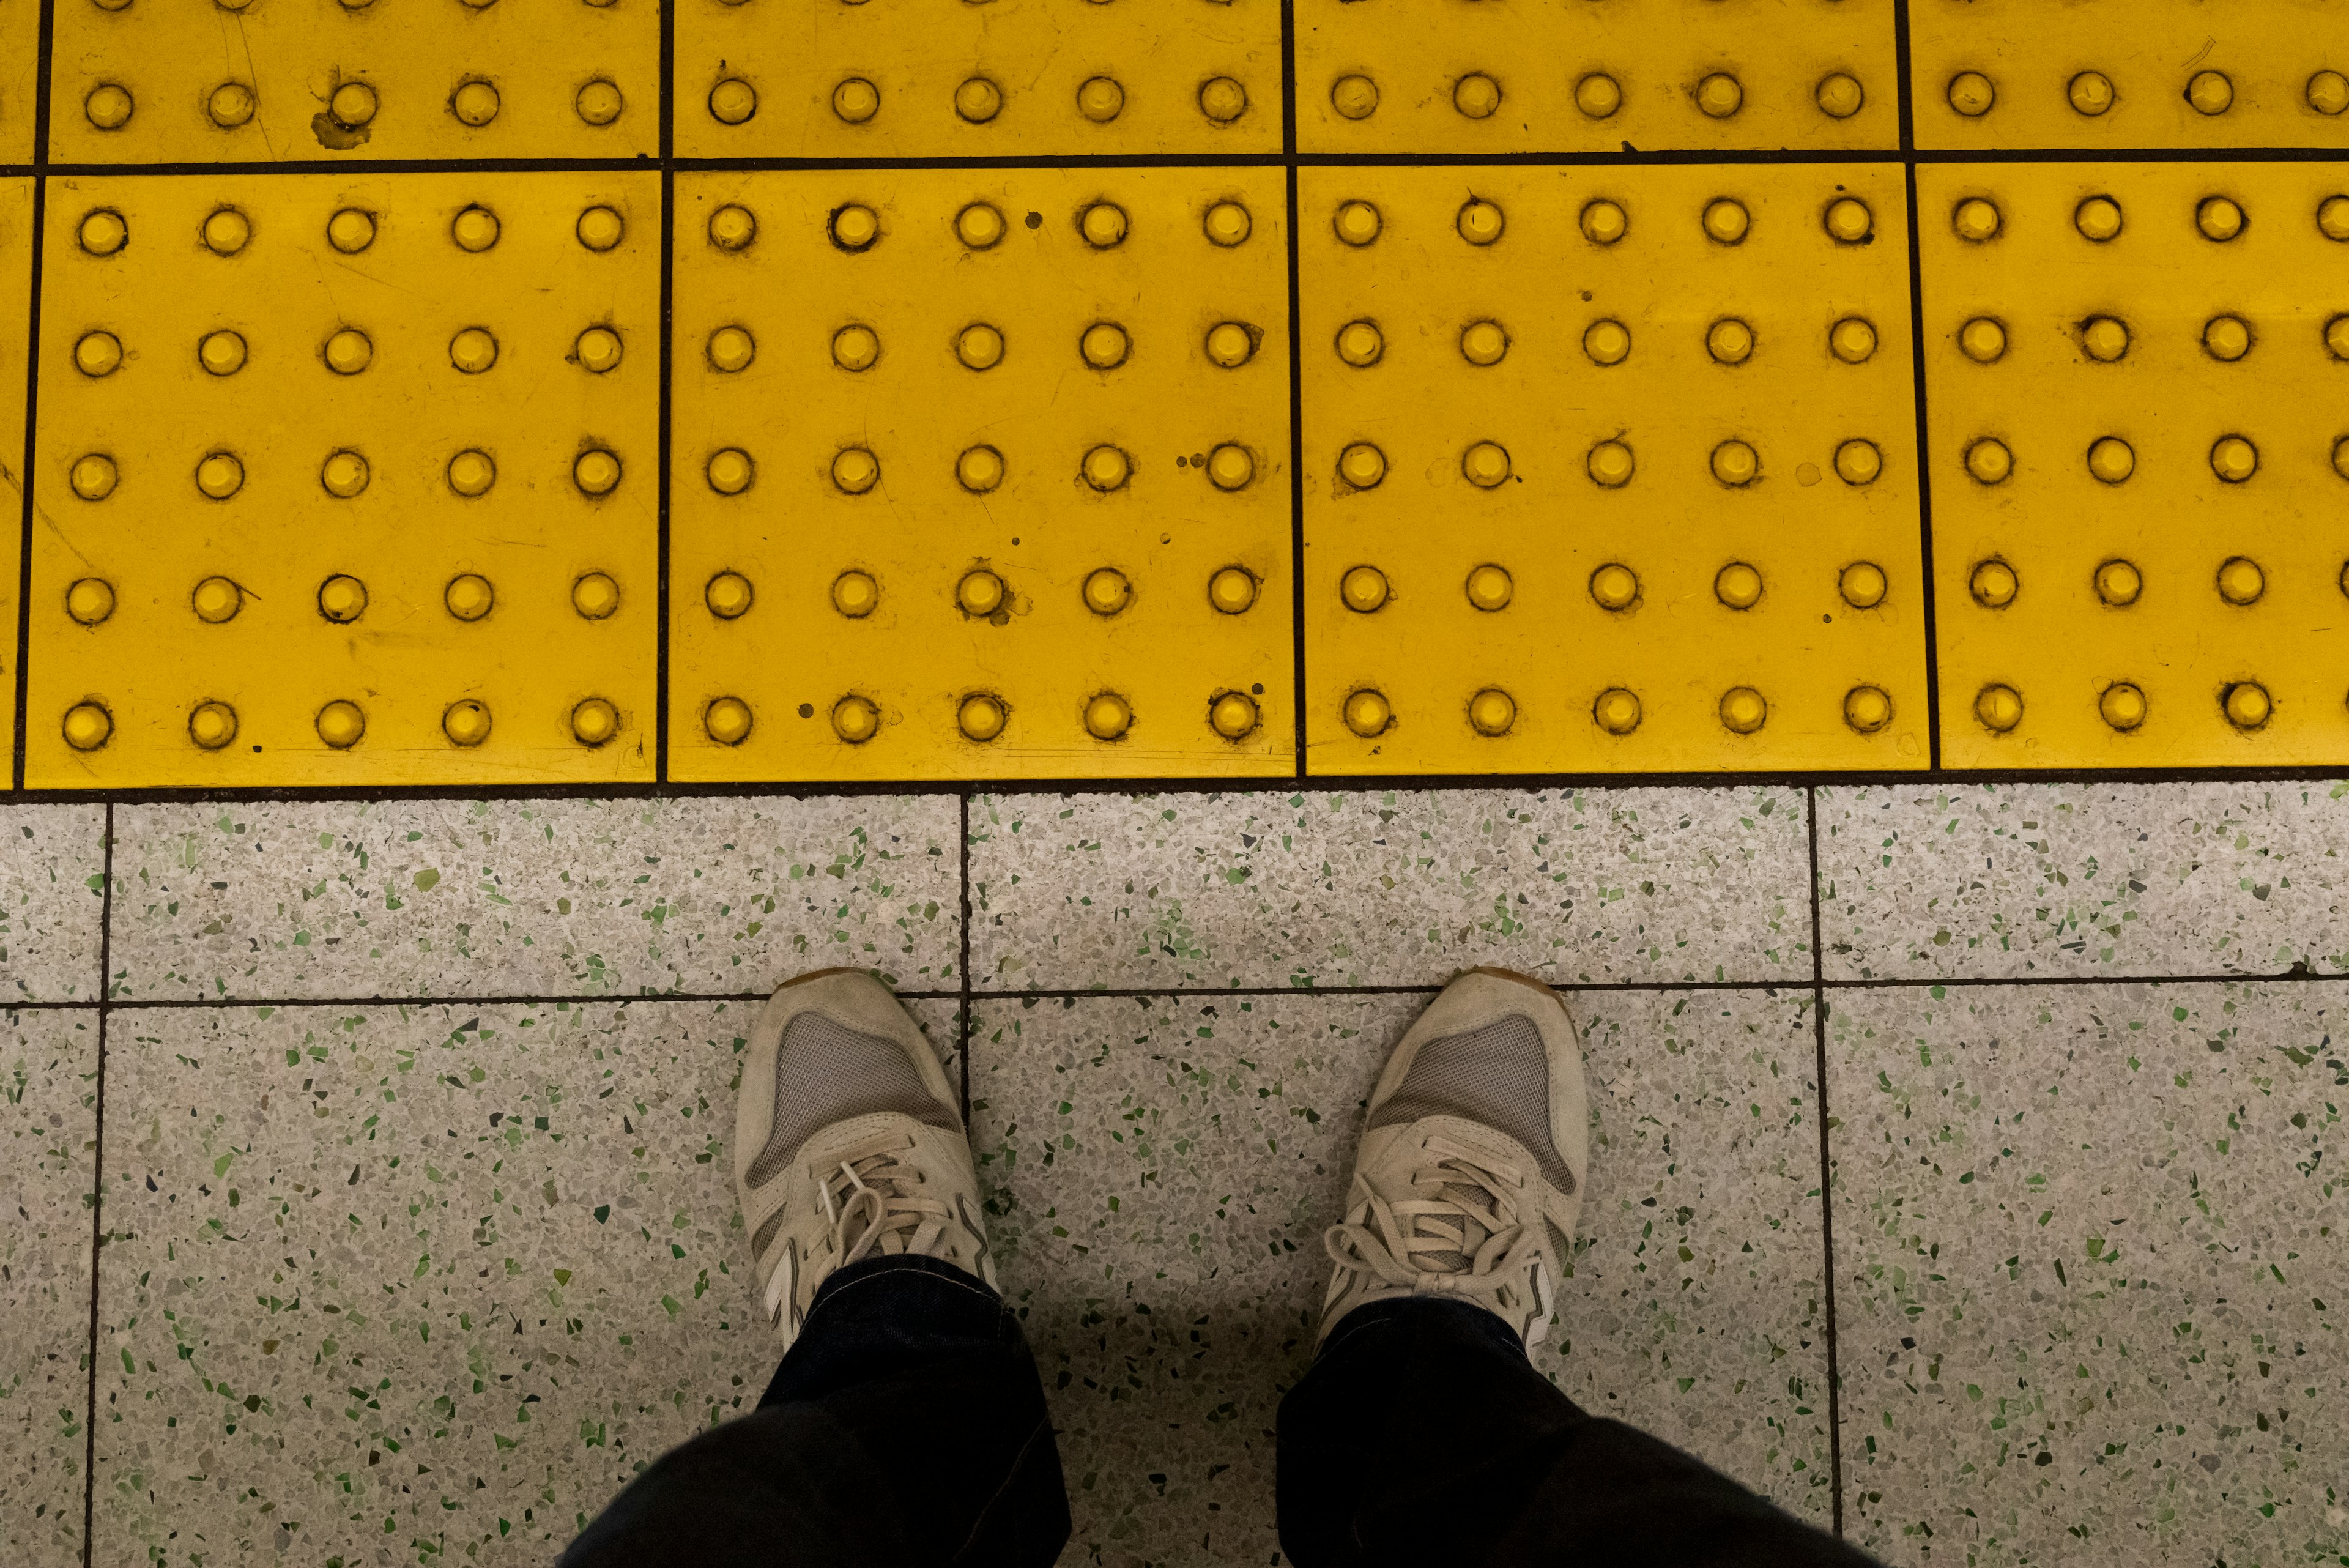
x=1497, y=1075
x=828, y=1072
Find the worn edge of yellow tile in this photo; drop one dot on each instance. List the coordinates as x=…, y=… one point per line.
x=2148, y=50
x=15, y=354
x=1548, y=429
x=1780, y=53
x=274, y=686
x=932, y=520
x=2166, y=381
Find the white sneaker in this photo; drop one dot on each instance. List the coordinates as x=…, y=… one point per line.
x=1469, y=1178
x=848, y=1143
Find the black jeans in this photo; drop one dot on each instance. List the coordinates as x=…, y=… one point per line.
x=907, y=1428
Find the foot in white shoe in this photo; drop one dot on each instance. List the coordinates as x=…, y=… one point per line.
x=1469, y=1178
x=848, y=1144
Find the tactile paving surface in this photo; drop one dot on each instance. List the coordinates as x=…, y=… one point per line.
x=1609, y=470
x=15, y=321
x=347, y=479
x=20, y=57
x=2136, y=375
x=980, y=474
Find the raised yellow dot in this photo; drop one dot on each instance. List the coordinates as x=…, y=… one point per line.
x=1607, y=342
x=2098, y=218
x=1998, y=708
x=2119, y=583
x=1598, y=96
x=351, y=231
x=729, y=594
x=981, y=716
x=1735, y=464
x=601, y=228
x=221, y=353
x=229, y=105
x=2111, y=459
x=855, y=227
x=1484, y=464
x=978, y=100
x=1859, y=462
x=1726, y=221
x=1480, y=222
x=727, y=720
x=2210, y=92
x=855, y=348
x=1971, y=94
x=1993, y=585
x=1476, y=96
x=979, y=346
x=1839, y=95
x=2328, y=92
x=1990, y=461
x=1743, y=710
x=2240, y=581
x=2234, y=460
x=341, y=724
x=730, y=471
x=90, y=601
x=2340, y=459
x=1492, y=711
x=1737, y=586
x=1367, y=713
x=211, y=725
x=1357, y=223
x=97, y=353
x=979, y=469
x=1105, y=468
x=1222, y=99
x=2332, y=217
x=108, y=106
x=103, y=231
x=1232, y=590
x=1614, y=586
x=979, y=226
x=1484, y=343
x=475, y=229
x=1230, y=467
x=473, y=350
x=1719, y=96
x=352, y=105
x=1361, y=465
x=1852, y=340
x=1490, y=588
x=855, y=100
x=1729, y=341
x=2105, y=338
x=220, y=475
x=2218, y=218
x=1866, y=709
x=2090, y=93
x=597, y=102
x=596, y=470
x=1100, y=100
x=2227, y=338
x=594, y=722
x=1616, y=710
x=1609, y=465
x=216, y=600
x=855, y=720
x=1107, y=590
x=732, y=102
x=471, y=473
x=1230, y=345
x=342, y=599
x=88, y=726
x=226, y=231
x=1849, y=222
x=732, y=349
x=348, y=352
x=2122, y=706
x=1975, y=220
x=1862, y=584
x=1233, y=715
x=1104, y=345
x=1360, y=343
x=980, y=594
x=1104, y=224
x=1603, y=222
x=854, y=594
x=344, y=474
x=2248, y=705
x=474, y=103
x=1982, y=340
x=92, y=476
x=1363, y=589
x=596, y=595
x=466, y=723
x=1227, y=224
x=1354, y=97
x=733, y=228
x=1108, y=716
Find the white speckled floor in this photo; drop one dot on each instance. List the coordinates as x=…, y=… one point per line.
x=418, y=1239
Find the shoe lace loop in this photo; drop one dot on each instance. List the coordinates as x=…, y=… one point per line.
x=1462, y=1236
x=872, y=1200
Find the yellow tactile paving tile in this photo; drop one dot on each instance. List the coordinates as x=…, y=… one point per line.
x=257, y=81
x=20, y=56
x=2097, y=76
x=980, y=474
x=2136, y=375
x=882, y=78
x=1504, y=76
x=346, y=480
x=1608, y=470
x=15, y=321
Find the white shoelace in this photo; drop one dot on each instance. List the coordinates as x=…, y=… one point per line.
x=1468, y=1215
x=870, y=1200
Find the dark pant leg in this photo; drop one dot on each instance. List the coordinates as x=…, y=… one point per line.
x=1422, y=1435
x=905, y=1428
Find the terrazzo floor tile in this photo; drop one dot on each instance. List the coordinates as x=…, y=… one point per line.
x=48, y=1067
x=1159, y=1172
x=1388, y=888
x=2092, y=1302
x=52, y=901
x=2021, y=880
x=532, y=898
x=413, y=1284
